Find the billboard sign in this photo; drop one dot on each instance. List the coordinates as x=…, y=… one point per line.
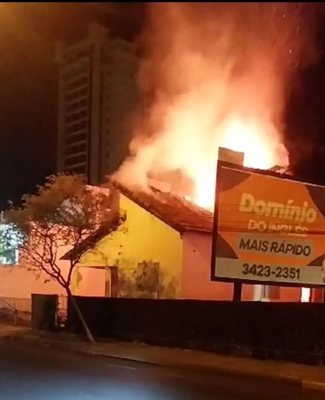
x=268, y=229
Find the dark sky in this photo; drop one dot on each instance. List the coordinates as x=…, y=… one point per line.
x=28, y=81
x=28, y=90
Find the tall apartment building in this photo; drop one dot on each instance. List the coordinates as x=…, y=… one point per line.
x=98, y=93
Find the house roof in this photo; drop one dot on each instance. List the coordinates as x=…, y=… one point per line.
x=175, y=211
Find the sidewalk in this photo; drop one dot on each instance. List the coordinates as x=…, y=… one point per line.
x=307, y=376
x=7, y=330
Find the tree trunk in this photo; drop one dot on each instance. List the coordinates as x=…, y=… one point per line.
x=89, y=335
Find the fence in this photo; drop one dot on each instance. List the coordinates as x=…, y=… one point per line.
x=22, y=305
x=287, y=331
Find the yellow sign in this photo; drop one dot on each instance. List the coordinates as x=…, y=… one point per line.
x=268, y=229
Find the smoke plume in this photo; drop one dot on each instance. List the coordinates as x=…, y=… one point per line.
x=215, y=74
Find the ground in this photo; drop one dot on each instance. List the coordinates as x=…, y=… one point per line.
x=29, y=372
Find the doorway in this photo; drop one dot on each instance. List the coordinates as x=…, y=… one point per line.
x=111, y=282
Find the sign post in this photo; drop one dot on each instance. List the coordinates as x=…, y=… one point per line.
x=267, y=229
x=237, y=158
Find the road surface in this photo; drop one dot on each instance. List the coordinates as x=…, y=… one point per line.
x=37, y=373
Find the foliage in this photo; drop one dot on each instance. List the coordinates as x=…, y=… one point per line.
x=63, y=212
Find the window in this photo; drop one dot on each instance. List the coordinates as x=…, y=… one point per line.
x=75, y=55
x=77, y=94
x=73, y=71
x=75, y=84
x=76, y=105
x=78, y=137
x=9, y=242
x=76, y=116
x=77, y=127
x=75, y=149
x=9, y=257
x=75, y=160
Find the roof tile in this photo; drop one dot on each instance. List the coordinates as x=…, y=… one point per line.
x=174, y=210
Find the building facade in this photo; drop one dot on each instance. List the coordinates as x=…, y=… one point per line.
x=98, y=94
x=163, y=250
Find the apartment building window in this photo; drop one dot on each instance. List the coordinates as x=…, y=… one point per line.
x=78, y=126
x=77, y=83
x=76, y=95
x=75, y=71
x=76, y=105
x=75, y=160
x=76, y=116
x=74, y=149
x=76, y=138
x=74, y=56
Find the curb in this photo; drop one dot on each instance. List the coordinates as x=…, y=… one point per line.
x=313, y=385
x=193, y=367
x=306, y=384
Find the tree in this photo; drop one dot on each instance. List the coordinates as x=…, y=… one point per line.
x=62, y=213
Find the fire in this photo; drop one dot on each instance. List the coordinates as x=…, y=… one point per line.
x=260, y=151
x=196, y=154
x=216, y=76
x=258, y=148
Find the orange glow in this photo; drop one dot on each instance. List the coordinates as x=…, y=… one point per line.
x=182, y=146
x=261, y=151
x=190, y=142
x=218, y=74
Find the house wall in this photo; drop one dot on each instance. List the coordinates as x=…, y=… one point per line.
x=17, y=282
x=142, y=238
x=91, y=281
x=196, y=282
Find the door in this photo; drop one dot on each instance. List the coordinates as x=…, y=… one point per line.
x=114, y=281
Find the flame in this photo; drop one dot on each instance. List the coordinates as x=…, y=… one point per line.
x=260, y=150
x=216, y=75
x=257, y=139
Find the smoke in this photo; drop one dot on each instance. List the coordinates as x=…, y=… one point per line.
x=215, y=74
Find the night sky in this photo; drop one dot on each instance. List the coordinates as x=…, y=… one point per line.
x=28, y=91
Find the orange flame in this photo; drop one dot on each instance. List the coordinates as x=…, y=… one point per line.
x=217, y=72
x=260, y=150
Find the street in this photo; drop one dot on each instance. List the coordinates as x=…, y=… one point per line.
x=37, y=373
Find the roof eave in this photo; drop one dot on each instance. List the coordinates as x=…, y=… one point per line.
x=83, y=247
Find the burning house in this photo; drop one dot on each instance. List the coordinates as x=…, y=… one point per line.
x=162, y=249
